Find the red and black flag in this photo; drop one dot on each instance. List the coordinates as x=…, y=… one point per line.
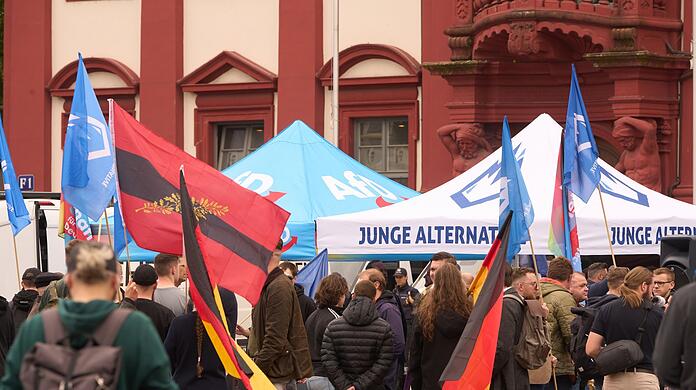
x=471, y=364
x=240, y=228
x=206, y=298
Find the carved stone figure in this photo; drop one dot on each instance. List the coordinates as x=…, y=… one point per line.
x=640, y=159
x=466, y=143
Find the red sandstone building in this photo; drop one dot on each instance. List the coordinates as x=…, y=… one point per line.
x=218, y=77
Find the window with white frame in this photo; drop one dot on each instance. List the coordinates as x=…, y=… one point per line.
x=382, y=145
x=235, y=140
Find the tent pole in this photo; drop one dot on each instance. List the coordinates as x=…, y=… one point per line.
x=606, y=225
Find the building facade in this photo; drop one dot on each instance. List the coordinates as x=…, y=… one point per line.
x=219, y=77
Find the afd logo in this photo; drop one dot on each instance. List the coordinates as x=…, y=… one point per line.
x=615, y=187
x=480, y=190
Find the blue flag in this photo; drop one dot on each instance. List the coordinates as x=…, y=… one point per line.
x=513, y=197
x=121, y=235
x=16, y=209
x=88, y=181
x=580, y=170
x=311, y=274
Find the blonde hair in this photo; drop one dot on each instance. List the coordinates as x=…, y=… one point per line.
x=632, y=282
x=92, y=262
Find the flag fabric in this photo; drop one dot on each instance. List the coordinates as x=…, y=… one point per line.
x=241, y=228
x=206, y=298
x=528, y=262
x=121, y=236
x=513, y=197
x=88, y=177
x=311, y=274
x=16, y=209
x=471, y=363
x=563, y=231
x=74, y=224
x=580, y=169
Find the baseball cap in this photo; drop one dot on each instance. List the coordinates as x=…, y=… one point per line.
x=400, y=272
x=30, y=274
x=44, y=278
x=145, y=275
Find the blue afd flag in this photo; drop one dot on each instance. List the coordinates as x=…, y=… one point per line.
x=88, y=180
x=121, y=235
x=312, y=273
x=580, y=170
x=513, y=196
x=16, y=209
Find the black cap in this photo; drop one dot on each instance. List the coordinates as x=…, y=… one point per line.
x=44, y=278
x=400, y=272
x=30, y=274
x=145, y=275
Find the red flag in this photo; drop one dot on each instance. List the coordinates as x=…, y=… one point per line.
x=240, y=228
x=471, y=363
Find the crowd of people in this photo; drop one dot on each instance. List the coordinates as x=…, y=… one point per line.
x=607, y=327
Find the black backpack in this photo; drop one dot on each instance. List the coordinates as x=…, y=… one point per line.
x=580, y=329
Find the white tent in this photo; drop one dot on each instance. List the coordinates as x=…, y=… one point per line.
x=461, y=216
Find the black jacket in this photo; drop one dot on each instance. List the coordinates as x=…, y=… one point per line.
x=357, y=348
x=507, y=373
x=402, y=294
x=674, y=357
x=7, y=332
x=307, y=305
x=21, y=305
x=430, y=357
x=316, y=326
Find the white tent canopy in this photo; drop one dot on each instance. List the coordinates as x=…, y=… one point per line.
x=461, y=216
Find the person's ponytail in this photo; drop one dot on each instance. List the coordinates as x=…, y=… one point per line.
x=630, y=289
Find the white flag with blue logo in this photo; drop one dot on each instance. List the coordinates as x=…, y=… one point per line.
x=513, y=196
x=16, y=209
x=580, y=170
x=88, y=181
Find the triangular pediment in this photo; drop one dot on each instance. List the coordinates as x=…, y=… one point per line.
x=227, y=68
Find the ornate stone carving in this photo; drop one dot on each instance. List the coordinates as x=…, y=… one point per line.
x=461, y=47
x=466, y=143
x=463, y=8
x=523, y=39
x=627, y=5
x=640, y=159
x=660, y=4
x=624, y=39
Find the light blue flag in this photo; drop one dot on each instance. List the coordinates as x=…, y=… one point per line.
x=513, y=197
x=121, y=235
x=16, y=209
x=311, y=274
x=88, y=180
x=580, y=170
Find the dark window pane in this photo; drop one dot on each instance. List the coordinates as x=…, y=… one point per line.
x=372, y=157
x=234, y=139
x=256, y=137
x=397, y=159
x=398, y=133
x=370, y=133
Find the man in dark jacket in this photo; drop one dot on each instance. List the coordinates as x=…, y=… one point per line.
x=24, y=300
x=278, y=340
x=674, y=357
x=145, y=279
x=358, y=365
x=507, y=372
x=407, y=296
x=7, y=332
x=307, y=305
x=389, y=309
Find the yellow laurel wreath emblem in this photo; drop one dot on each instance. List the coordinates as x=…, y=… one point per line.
x=170, y=204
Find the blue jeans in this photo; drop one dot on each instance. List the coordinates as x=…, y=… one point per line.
x=319, y=383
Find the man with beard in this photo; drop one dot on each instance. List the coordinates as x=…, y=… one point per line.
x=387, y=306
x=466, y=143
x=621, y=319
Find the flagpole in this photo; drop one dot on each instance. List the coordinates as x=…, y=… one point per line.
x=536, y=267
x=99, y=230
x=14, y=245
x=606, y=225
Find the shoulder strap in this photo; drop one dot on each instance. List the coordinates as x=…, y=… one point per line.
x=515, y=297
x=54, y=331
x=105, y=334
x=641, y=328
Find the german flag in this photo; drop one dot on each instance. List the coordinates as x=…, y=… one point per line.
x=239, y=227
x=206, y=298
x=471, y=364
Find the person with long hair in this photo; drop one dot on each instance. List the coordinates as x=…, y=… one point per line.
x=621, y=319
x=330, y=297
x=440, y=320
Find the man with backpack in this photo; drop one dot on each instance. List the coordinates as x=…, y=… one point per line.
x=582, y=324
x=520, y=341
x=86, y=342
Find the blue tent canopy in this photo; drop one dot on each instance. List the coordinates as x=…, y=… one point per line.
x=309, y=177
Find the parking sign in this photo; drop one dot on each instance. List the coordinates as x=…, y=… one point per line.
x=26, y=182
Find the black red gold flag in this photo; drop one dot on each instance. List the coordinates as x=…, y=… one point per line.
x=240, y=228
x=471, y=364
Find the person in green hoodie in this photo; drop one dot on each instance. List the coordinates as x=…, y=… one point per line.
x=93, y=283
